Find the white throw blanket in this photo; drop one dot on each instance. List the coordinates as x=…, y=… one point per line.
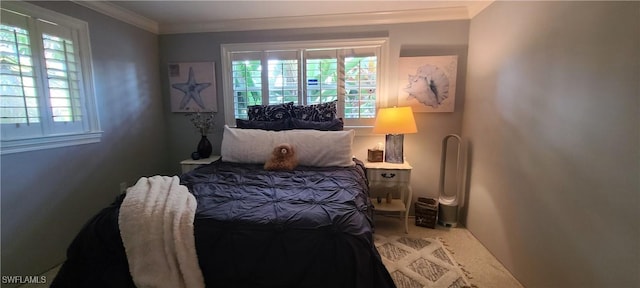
x=156, y=226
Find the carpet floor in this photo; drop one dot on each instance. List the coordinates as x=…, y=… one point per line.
x=479, y=267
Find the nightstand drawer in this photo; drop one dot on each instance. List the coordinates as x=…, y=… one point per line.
x=388, y=176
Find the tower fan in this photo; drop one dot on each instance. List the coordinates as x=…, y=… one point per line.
x=449, y=199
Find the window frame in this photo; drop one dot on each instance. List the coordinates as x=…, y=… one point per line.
x=382, y=43
x=90, y=125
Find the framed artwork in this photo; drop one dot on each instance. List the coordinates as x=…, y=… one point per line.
x=428, y=83
x=192, y=87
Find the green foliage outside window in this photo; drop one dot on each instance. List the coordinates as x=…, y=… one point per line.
x=321, y=80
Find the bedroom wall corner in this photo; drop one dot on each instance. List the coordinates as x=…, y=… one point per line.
x=48, y=195
x=551, y=110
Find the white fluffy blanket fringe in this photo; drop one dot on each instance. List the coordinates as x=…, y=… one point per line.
x=156, y=226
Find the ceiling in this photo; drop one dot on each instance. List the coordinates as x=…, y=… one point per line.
x=166, y=17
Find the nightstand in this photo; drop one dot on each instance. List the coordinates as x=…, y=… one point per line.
x=190, y=164
x=391, y=178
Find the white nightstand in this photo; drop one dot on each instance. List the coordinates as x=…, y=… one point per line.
x=390, y=178
x=190, y=164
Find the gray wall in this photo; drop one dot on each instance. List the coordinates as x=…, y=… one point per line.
x=551, y=115
x=550, y=102
x=48, y=195
x=421, y=39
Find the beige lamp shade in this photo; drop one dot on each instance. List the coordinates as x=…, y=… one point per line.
x=396, y=120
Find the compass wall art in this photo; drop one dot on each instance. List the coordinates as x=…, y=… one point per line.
x=427, y=84
x=192, y=87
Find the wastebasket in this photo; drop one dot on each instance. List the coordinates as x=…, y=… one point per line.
x=426, y=210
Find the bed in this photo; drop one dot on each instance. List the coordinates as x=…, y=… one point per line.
x=309, y=227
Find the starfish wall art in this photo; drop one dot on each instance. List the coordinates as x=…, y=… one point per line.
x=193, y=87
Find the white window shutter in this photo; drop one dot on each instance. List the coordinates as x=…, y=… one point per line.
x=348, y=71
x=20, y=109
x=46, y=93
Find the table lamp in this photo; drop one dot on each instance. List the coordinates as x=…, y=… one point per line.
x=394, y=122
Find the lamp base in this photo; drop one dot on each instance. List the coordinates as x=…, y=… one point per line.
x=393, y=149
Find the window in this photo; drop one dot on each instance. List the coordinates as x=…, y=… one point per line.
x=305, y=73
x=46, y=89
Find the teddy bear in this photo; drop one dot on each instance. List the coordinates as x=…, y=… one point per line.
x=283, y=157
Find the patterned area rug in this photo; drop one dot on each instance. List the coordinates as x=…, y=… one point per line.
x=419, y=262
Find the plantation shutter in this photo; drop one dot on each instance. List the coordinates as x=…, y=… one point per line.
x=348, y=75
x=361, y=77
x=282, y=76
x=246, y=70
x=63, y=78
x=41, y=88
x=322, y=77
x=305, y=73
x=19, y=89
x=46, y=80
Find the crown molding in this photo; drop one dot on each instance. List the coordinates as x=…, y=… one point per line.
x=352, y=19
x=477, y=7
x=121, y=14
x=347, y=19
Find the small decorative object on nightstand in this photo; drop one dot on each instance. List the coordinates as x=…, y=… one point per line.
x=203, y=122
x=204, y=147
x=375, y=155
x=390, y=179
x=190, y=164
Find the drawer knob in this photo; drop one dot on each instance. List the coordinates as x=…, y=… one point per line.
x=388, y=175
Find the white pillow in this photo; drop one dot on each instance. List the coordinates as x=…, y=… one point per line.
x=313, y=148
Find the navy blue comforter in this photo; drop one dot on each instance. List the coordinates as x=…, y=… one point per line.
x=311, y=227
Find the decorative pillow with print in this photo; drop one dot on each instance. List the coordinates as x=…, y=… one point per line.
x=316, y=112
x=270, y=112
x=276, y=125
x=333, y=125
